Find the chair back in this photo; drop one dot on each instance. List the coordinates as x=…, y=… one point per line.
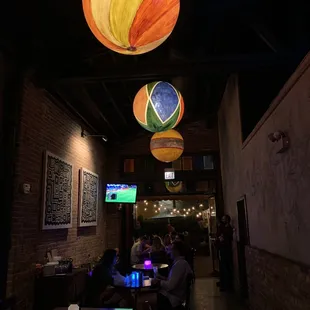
x=189, y=282
x=7, y=304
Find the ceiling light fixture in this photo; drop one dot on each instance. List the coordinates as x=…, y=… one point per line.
x=103, y=137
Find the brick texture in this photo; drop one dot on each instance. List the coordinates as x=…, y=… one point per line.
x=45, y=126
x=276, y=283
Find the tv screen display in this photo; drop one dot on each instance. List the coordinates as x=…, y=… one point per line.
x=121, y=193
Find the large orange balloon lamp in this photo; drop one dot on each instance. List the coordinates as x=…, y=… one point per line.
x=131, y=27
x=167, y=146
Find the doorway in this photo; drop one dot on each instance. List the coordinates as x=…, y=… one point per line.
x=242, y=242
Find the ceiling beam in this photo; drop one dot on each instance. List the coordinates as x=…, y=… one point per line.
x=86, y=97
x=114, y=104
x=141, y=71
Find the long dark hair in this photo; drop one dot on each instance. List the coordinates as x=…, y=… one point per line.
x=108, y=257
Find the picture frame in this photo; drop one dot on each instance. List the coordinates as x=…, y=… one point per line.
x=88, y=198
x=57, y=192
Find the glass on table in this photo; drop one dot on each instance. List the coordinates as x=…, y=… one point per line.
x=155, y=270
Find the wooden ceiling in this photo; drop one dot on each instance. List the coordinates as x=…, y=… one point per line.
x=212, y=40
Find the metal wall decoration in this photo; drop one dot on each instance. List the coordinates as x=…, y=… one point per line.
x=88, y=207
x=57, y=195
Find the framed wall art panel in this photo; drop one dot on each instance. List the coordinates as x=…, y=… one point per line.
x=57, y=192
x=88, y=206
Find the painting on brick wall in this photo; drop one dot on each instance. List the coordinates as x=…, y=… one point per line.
x=88, y=207
x=57, y=193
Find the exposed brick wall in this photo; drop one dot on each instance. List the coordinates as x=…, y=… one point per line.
x=275, y=186
x=45, y=126
x=288, y=282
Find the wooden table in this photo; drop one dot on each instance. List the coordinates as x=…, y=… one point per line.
x=56, y=291
x=147, y=283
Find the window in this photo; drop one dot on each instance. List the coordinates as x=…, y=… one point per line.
x=129, y=165
x=205, y=162
x=177, y=164
x=187, y=163
x=208, y=162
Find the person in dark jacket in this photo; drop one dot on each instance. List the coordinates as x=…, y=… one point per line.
x=102, y=291
x=225, y=238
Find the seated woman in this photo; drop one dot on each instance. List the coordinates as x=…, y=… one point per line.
x=168, y=244
x=158, y=253
x=103, y=278
x=157, y=245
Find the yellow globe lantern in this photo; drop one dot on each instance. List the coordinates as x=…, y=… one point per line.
x=131, y=27
x=167, y=146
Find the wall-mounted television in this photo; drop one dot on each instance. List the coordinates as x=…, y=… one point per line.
x=121, y=193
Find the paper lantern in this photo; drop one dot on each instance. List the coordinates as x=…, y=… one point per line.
x=158, y=106
x=167, y=146
x=174, y=186
x=131, y=27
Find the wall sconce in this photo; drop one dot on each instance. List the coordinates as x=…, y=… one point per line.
x=103, y=137
x=280, y=139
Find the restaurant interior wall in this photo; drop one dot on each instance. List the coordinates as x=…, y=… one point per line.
x=136, y=164
x=276, y=189
x=44, y=125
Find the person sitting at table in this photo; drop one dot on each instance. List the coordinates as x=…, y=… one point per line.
x=168, y=244
x=138, y=249
x=188, y=254
x=173, y=289
x=103, y=278
x=157, y=245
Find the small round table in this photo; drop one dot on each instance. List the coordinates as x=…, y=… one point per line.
x=148, y=270
x=143, y=268
x=147, y=283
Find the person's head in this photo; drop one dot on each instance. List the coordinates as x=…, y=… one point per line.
x=143, y=240
x=226, y=219
x=109, y=258
x=180, y=237
x=173, y=235
x=178, y=249
x=167, y=240
x=157, y=242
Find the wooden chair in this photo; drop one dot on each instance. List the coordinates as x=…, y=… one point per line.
x=191, y=261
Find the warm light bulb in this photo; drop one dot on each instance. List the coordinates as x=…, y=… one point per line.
x=145, y=209
x=186, y=212
x=193, y=208
x=178, y=211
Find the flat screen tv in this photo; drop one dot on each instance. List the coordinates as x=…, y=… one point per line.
x=121, y=193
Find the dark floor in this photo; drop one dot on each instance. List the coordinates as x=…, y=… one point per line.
x=205, y=295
